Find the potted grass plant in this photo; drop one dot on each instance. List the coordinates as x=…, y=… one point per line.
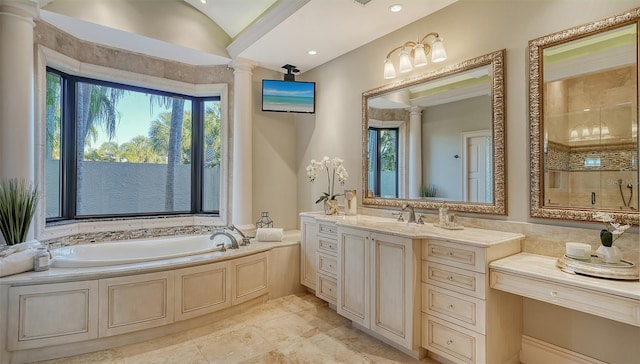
x=18, y=200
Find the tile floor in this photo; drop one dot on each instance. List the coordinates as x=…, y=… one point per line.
x=293, y=329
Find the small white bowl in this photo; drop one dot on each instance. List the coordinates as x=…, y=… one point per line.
x=578, y=250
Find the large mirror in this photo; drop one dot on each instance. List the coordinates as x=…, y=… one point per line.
x=584, y=121
x=438, y=137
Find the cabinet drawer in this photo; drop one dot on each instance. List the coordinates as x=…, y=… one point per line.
x=328, y=229
x=597, y=303
x=455, y=279
x=327, y=288
x=463, y=310
x=328, y=246
x=452, y=342
x=457, y=255
x=327, y=265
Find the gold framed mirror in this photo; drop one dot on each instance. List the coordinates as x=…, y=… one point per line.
x=438, y=137
x=583, y=100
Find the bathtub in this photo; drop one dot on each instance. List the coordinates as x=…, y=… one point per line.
x=131, y=251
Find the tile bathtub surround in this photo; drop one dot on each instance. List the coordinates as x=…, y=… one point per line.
x=291, y=329
x=87, y=238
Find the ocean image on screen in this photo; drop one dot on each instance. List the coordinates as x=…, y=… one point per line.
x=288, y=96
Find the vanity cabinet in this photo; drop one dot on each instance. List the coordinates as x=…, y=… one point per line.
x=135, y=303
x=309, y=246
x=318, y=257
x=377, y=275
x=463, y=320
x=202, y=289
x=52, y=314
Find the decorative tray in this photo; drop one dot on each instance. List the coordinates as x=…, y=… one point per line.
x=595, y=267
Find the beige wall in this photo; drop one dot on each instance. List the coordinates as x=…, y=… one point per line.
x=472, y=28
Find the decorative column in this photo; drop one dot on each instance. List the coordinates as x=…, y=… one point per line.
x=415, y=151
x=242, y=165
x=17, y=128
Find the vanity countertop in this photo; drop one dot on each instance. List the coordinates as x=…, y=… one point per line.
x=544, y=268
x=468, y=235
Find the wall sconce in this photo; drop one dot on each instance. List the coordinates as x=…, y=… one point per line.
x=419, y=51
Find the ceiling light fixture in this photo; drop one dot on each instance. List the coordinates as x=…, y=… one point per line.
x=395, y=8
x=312, y=52
x=203, y=1
x=419, y=51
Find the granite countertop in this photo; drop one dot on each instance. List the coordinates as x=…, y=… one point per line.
x=468, y=235
x=544, y=268
x=53, y=275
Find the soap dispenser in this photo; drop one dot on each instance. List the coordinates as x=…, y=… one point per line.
x=442, y=215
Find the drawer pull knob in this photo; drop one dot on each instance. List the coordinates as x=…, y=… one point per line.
x=451, y=307
x=449, y=342
x=450, y=278
x=450, y=254
x=554, y=294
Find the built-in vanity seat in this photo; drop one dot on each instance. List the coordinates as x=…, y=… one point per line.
x=417, y=287
x=537, y=277
x=66, y=311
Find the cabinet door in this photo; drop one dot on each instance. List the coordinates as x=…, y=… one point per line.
x=202, y=289
x=250, y=277
x=309, y=246
x=392, y=288
x=134, y=303
x=353, y=275
x=52, y=314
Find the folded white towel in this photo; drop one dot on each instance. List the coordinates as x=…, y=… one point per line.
x=17, y=262
x=269, y=234
x=16, y=248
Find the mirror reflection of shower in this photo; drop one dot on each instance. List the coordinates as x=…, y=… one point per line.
x=626, y=202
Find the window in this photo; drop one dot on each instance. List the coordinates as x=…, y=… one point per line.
x=116, y=150
x=383, y=161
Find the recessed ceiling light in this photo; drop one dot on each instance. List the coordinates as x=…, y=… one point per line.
x=313, y=53
x=203, y=1
x=395, y=8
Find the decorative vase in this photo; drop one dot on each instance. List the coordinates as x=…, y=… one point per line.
x=609, y=254
x=264, y=221
x=330, y=207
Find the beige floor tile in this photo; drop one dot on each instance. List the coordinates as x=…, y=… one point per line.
x=183, y=353
x=322, y=349
x=235, y=346
x=285, y=330
x=111, y=356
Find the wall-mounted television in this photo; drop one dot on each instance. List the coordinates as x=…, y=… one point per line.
x=289, y=96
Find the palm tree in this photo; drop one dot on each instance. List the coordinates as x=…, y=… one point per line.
x=96, y=107
x=54, y=86
x=139, y=150
x=175, y=141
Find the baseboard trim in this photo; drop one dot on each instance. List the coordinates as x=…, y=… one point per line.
x=537, y=351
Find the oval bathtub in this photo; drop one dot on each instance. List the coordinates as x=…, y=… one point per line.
x=130, y=251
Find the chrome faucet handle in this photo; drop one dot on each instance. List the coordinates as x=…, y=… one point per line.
x=246, y=240
x=222, y=249
x=400, y=217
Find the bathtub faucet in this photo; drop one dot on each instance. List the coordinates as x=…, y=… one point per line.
x=245, y=239
x=234, y=241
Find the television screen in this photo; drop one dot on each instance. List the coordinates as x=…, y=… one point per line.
x=289, y=96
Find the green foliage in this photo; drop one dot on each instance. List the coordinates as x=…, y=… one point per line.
x=428, y=190
x=18, y=200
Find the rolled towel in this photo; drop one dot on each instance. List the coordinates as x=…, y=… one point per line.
x=17, y=262
x=269, y=234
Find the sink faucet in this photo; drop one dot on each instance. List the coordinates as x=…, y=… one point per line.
x=245, y=239
x=412, y=213
x=234, y=241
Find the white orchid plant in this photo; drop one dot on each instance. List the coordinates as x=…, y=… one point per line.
x=334, y=168
x=613, y=230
